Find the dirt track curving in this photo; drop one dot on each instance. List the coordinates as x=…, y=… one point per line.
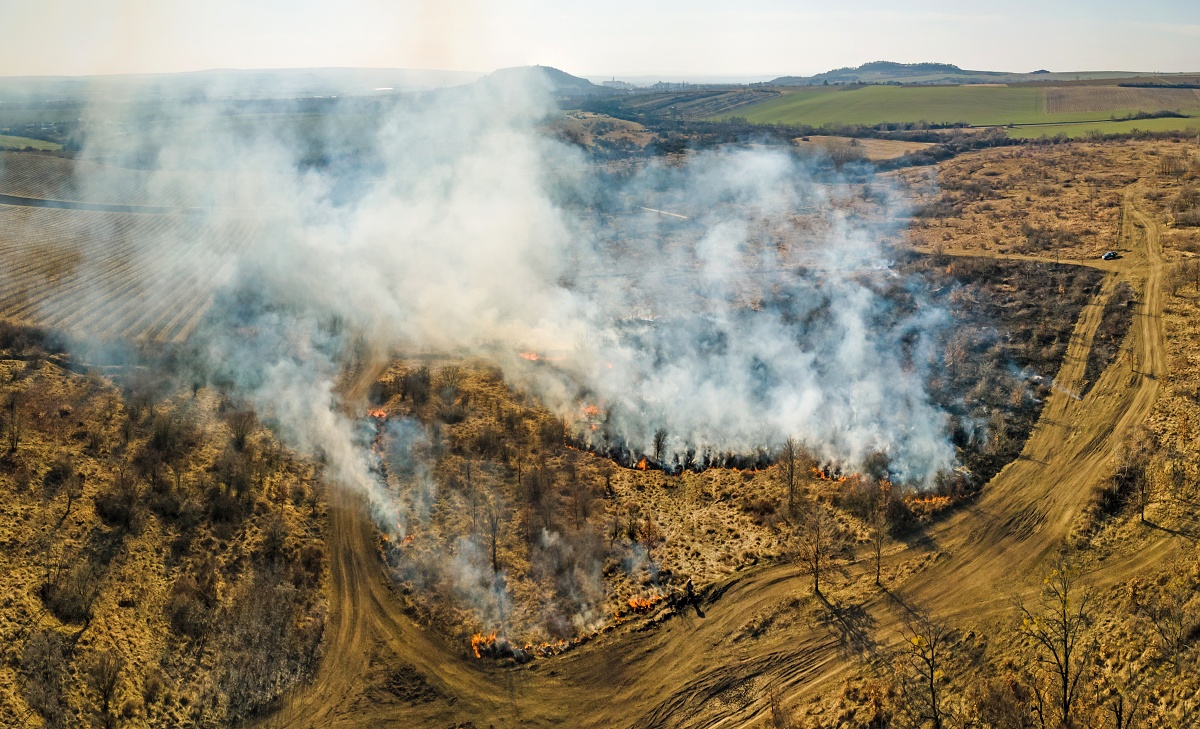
x=380, y=669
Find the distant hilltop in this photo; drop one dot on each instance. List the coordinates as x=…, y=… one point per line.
x=888, y=71
x=891, y=72
x=559, y=82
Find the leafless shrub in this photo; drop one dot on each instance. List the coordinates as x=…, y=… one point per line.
x=44, y=668
x=241, y=427
x=118, y=503
x=70, y=592
x=103, y=675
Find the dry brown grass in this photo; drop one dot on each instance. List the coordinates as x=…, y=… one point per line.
x=1062, y=201
x=116, y=590
x=594, y=131
x=872, y=149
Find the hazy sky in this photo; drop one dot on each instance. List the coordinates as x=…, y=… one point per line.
x=618, y=37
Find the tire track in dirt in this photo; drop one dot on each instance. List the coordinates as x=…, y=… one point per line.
x=685, y=672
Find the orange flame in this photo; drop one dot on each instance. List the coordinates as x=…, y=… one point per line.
x=377, y=413
x=480, y=641
x=823, y=475
x=531, y=356
x=641, y=465
x=643, y=604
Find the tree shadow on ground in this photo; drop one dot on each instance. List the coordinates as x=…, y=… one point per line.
x=851, y=624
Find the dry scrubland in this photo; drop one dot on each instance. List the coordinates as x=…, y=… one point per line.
x=772, y=652
x=1134, y=608
x=870, y=149
x=163, y=557
x=578, y=538
x=1057, y=202
x=601, y=134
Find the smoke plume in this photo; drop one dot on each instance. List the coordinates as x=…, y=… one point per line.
x=726, y=300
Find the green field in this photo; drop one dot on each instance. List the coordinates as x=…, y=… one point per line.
x=23, y=142
x=1109, y=127
x=974, y=105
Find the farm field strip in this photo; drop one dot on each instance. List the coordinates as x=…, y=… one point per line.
x=1069, y=99
x=95, y=247
x=186, y=307
x=115, y=304
x=54, y=178
x=178, y=283
x=1080, y=129
x=186, y=328
x=31, y=281
x=91, y=255
x=974, y=105
x=9, y=140
x=186, y=294
x=112, y=274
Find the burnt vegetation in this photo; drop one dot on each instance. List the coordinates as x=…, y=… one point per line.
x=502, y=500
x=1115, y=321
x=995, y=365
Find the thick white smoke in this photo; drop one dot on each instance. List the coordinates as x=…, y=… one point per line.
x=750, y=313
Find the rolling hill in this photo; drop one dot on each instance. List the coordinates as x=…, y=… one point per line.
x=890, y=72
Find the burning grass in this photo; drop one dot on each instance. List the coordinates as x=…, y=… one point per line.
x=509, y=530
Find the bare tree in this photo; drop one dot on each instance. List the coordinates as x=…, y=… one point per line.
x=14, y=421
x=660, y=444
x=45, y=668
x=472, y=498
x=62, y=477
x=495, y=524
x=1130, y=471
x=615, y=529
x=816, y=540
x=649, y=535
x=879, y=525
x=1172, y=613
x=789, y=459
x=1056, y=625
x=1125, y=702
x=581, y=500
x=103, y=677
x=925, y=649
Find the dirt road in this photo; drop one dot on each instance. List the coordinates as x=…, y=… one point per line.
x=382, y=670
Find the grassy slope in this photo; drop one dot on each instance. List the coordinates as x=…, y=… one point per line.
x=976, y=105
x=23, y=142
x=1083, y=128
x=875, y=104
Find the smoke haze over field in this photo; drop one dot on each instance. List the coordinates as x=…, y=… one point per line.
x=752, y=314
